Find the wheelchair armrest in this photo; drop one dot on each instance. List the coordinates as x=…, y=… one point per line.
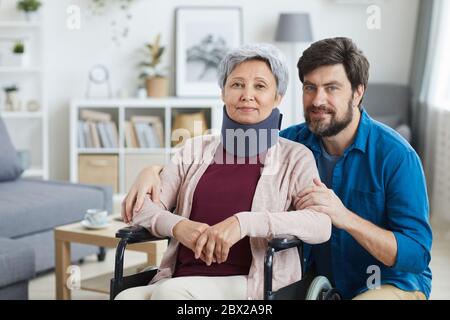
x=129, y=235
x=136, y=234
x=284, y=242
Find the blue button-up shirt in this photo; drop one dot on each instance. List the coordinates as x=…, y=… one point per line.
x=380, y=178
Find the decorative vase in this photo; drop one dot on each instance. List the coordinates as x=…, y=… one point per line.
x=33, y=106
x=157, y=87
x=12, y=102
x=17, y=60
x=142, y=93
x=193, y=124
x=31, y=16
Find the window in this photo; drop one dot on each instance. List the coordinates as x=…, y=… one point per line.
x=440, y=53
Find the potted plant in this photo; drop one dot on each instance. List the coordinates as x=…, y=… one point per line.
x=18, y=56
x=154, y=76
x=29, y=7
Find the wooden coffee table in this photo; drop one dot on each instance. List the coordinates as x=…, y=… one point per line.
x=75, y=232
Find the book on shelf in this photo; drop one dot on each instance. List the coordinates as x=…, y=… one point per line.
x=139, y=128
x=81, y=135
x=130, y=136
x=97, y=134
x=146, y=135
x=106, y=143
x=112, y=133
x=87, y=135
x=151, y=137
x=94, y=135
x=156, y=125
x=91, y=115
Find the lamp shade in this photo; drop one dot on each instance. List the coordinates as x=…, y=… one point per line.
x=294, y=27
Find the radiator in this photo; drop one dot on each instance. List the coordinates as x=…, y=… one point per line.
x=440, y=203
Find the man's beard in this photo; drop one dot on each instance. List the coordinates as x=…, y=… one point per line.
x=334, y=127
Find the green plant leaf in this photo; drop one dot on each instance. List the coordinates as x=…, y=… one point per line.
x=160, y=52
x=28, y=5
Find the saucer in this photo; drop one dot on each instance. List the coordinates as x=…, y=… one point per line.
x=87, y=225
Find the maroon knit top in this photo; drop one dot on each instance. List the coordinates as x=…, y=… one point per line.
x=223, y=190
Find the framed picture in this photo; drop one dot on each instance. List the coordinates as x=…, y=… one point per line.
x=203, y=36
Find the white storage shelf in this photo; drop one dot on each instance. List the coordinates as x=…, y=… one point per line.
x=19, y=70
x=28, y=130
x=132, y=160
x=19, y=24
x=21, y=115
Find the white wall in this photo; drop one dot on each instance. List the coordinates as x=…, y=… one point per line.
x=70, y=54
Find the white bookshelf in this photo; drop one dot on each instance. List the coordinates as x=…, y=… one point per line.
x=28, y=130
x=19, y=24
x=121, y=110
x=22, y=115
x=18, y=70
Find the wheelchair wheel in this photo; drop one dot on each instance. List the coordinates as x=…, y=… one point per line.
x=319, y=288
x=332, y=294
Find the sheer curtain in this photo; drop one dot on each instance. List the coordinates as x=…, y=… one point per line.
x=430, y=83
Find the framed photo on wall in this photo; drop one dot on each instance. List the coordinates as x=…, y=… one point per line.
x=203, y=36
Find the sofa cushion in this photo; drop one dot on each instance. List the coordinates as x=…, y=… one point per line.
x=391, y=121
x=31, y=206
x=10, y=167
x=16, y=262
x=388, y=102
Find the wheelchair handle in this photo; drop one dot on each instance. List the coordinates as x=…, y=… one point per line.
x=284, y=242
x=136, y=234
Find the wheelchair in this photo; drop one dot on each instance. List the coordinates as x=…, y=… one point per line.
x=310, y=287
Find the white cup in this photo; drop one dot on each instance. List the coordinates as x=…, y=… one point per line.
x=96, y=217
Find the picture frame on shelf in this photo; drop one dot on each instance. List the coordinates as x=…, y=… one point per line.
x=203, y=36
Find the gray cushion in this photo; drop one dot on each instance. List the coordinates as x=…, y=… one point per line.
x=388, y=101
x=405, y=132
x=391, y=121
x=10, y=167
x=30, y=206
x=16, y=262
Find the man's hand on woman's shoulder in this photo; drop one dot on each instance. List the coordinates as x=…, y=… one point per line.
x=147, y=182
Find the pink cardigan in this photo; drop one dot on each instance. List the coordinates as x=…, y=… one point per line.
x=289, y=167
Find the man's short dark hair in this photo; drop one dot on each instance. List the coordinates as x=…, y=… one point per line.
x=334, y=51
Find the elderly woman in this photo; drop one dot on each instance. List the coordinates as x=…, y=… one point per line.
x=232, y=194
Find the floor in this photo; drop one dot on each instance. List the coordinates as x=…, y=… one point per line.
x=440, y=261
x=43, y=287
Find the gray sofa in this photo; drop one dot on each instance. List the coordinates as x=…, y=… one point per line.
x=29, y=210
x=17, y=266
x=390, y=104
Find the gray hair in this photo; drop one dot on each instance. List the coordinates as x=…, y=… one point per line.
x=262, y=51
